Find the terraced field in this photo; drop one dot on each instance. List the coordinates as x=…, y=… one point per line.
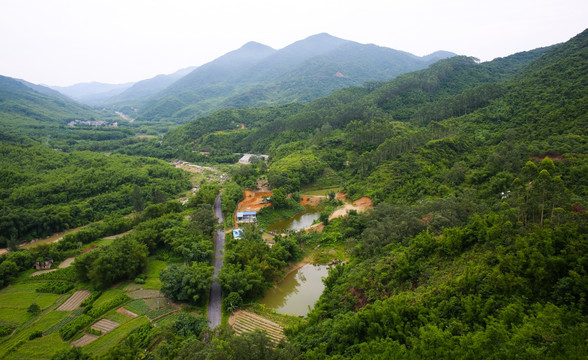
x=105, y=325
x=84, y=340
x=245, y=321
x=74, y=301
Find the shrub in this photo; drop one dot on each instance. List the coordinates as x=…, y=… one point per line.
x=119, y=300
x=35, y=334
x=69, y=330
x=93, y=296
x=55, y=287
x=34, y=309
x=94, y=332
x=6, y=329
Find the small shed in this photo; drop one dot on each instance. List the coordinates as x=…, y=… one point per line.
x=238, y=233
x=247, y=217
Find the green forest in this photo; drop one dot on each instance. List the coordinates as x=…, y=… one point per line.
x=476, y=247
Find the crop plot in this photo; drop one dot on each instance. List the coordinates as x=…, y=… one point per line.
x=245, y=321
x=84, y=340
x=74, y=301
x=105, y=325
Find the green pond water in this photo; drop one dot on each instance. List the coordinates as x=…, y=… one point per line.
x=297, y=293
x=299, y=221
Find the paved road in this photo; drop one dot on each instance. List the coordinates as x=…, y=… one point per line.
x=214, y=303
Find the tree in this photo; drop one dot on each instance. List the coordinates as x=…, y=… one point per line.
x=202, y=220
x=188, y=325
x=279, y=198
x=75, y=353
x=543, y=184
x=137, y=199
x=187, y=283
x=34, y=309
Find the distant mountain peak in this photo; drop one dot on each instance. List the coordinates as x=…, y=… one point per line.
x=254, y=45
x=438, y=55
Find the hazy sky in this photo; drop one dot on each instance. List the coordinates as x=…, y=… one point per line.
x=62, y=42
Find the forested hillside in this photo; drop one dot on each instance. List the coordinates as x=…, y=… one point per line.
x=29, y=111
x=45, y=191
x=477, y=245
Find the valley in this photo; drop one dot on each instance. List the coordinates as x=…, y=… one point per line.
x=431, y=210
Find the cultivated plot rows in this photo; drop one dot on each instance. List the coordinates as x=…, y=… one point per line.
x=245, y=321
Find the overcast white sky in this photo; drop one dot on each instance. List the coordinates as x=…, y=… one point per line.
x=62, y=42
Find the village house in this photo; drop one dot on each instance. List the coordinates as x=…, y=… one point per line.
x=247, y=217
x=44, y=265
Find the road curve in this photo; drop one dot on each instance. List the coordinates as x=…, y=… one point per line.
x=214, y=302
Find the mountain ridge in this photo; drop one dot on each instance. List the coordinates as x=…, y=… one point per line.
x=302, y=71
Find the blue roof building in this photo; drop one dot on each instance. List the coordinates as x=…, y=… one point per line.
x=238, y=233
x=247, y=217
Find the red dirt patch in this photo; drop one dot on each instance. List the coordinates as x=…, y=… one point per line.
x=312, y=200
x=359, y=205
x=252, y=201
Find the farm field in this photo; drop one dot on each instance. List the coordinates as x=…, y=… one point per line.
x=244, y=321
x=57, y=311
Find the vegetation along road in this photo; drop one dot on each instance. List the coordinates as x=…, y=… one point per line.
x=214, y=304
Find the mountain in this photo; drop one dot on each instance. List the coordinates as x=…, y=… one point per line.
x=21, y=100
x=476, y=246
x=43, y=89
x=224, y=69
x=414, y=98
x=34, y=112
x=93, y=93
x=257, y=75
x=146, y=88
x=205, y=84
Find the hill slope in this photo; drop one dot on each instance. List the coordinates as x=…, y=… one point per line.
x=44, y=114
x=145, y=88
x=477, y=245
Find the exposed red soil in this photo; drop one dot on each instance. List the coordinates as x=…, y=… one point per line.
x=252, y=201
x=312, y=200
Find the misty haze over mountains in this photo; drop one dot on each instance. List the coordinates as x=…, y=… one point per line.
x=255, y=75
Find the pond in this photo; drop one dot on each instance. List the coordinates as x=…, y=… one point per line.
x=302, y=220
x=297, y=293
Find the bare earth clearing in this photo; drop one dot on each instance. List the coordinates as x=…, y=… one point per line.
x=252, y=201
x=359, y=205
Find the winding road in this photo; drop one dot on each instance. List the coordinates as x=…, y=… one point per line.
x=214, y=302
